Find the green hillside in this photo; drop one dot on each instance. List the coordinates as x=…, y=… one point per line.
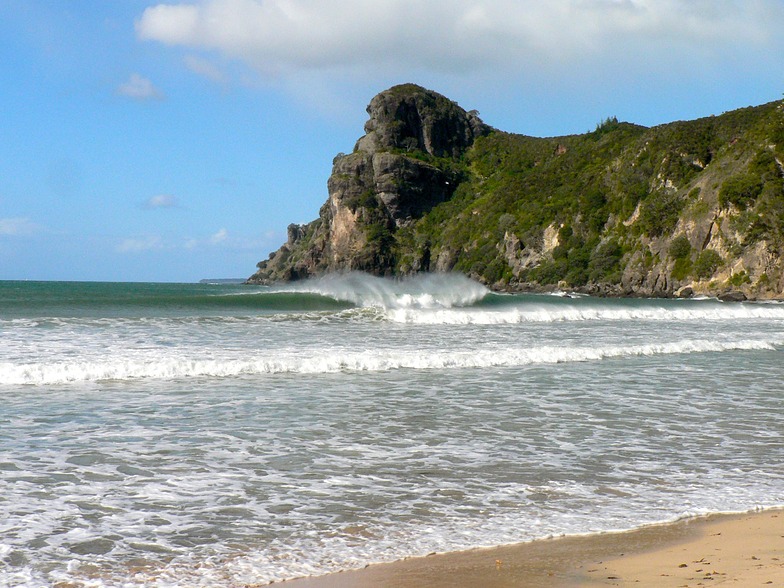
x=621, y=210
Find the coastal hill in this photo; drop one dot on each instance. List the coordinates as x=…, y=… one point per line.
x=689, y=207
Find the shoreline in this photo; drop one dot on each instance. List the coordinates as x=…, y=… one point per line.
x=744, y=548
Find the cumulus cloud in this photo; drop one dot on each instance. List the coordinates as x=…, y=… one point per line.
x=139, y=88
x=136, y=245
x=281, y=36
x=161, y=201
x=17, y=227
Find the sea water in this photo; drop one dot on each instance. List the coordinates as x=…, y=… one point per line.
x=222, y=435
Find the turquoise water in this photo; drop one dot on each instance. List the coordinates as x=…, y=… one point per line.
x=218, y=435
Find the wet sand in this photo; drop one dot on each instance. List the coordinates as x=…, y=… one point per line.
x=740, y=550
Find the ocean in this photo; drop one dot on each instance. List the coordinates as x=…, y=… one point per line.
x=221, y=434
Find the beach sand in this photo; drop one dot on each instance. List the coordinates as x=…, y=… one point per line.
x=738, y=550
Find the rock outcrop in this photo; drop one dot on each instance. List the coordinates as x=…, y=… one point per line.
x=402, y=167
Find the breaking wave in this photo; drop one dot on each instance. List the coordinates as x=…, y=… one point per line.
x=423, y=291
x=584, y=310
x=330, y=361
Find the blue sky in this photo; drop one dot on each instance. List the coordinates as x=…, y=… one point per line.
x=174, y=141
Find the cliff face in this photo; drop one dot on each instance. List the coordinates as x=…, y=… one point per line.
x=685, y=208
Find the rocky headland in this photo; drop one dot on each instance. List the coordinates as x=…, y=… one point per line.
x=686, y=208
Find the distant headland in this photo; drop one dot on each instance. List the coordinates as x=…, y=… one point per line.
x=680, y=209
x=222, y=281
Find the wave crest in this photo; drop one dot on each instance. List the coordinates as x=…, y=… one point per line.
x=422, y=291
x=581, y=312
x=329, y=361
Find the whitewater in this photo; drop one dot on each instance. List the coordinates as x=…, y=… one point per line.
x=223, y=435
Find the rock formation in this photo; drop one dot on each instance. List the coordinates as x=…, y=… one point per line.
x=401, y=168
x=687, y=208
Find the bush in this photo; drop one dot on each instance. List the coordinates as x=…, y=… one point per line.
x=380, y=241
x=605, y=263
x=707, y=263
x=548, y=272
x=739, y=279
x=506, y=223
x=497, y=270
x=366, y=199
x=740, y=190
x=659, y=213
x=680, y=247
x=682, y=268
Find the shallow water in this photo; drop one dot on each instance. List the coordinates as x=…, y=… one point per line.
x=162, y=435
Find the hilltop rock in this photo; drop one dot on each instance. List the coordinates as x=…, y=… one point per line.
x=402, y=167
x=410, y=119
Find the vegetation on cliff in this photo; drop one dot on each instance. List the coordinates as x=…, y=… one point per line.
x=691, y=206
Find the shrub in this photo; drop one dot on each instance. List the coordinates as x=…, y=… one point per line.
x=707, y=263
x=497, y=270
x=682, y=268
x=605, y=263
x=740, y=190
x=380, y=241
x=739, y=279
x=506, y=222
x=680, y=247
x=608, y=124
x=548, y=272
x=366, y=199
x=659, y=213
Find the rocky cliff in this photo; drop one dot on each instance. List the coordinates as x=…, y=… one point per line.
x=683, y=208
x=406, y=163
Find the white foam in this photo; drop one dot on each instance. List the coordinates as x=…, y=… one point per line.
x=323, y=361
x=533, y=313
x=420, y=291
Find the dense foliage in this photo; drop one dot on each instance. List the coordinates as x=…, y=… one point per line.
x=608, y=198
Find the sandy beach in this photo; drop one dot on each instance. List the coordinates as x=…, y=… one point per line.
x=740, y=550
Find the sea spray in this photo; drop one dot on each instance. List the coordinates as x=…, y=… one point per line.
x=419, y=291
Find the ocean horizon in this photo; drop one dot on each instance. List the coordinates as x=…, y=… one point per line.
x=221, y=434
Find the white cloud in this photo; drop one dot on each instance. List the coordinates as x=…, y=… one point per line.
x=139, y=88
x=17, y=227
x=219, y=237
x=284, y=36
x=225, y=240
x=161, y=201
x=205, y=68
x=136, y=245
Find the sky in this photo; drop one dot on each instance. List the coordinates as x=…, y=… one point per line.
x=175, y=141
